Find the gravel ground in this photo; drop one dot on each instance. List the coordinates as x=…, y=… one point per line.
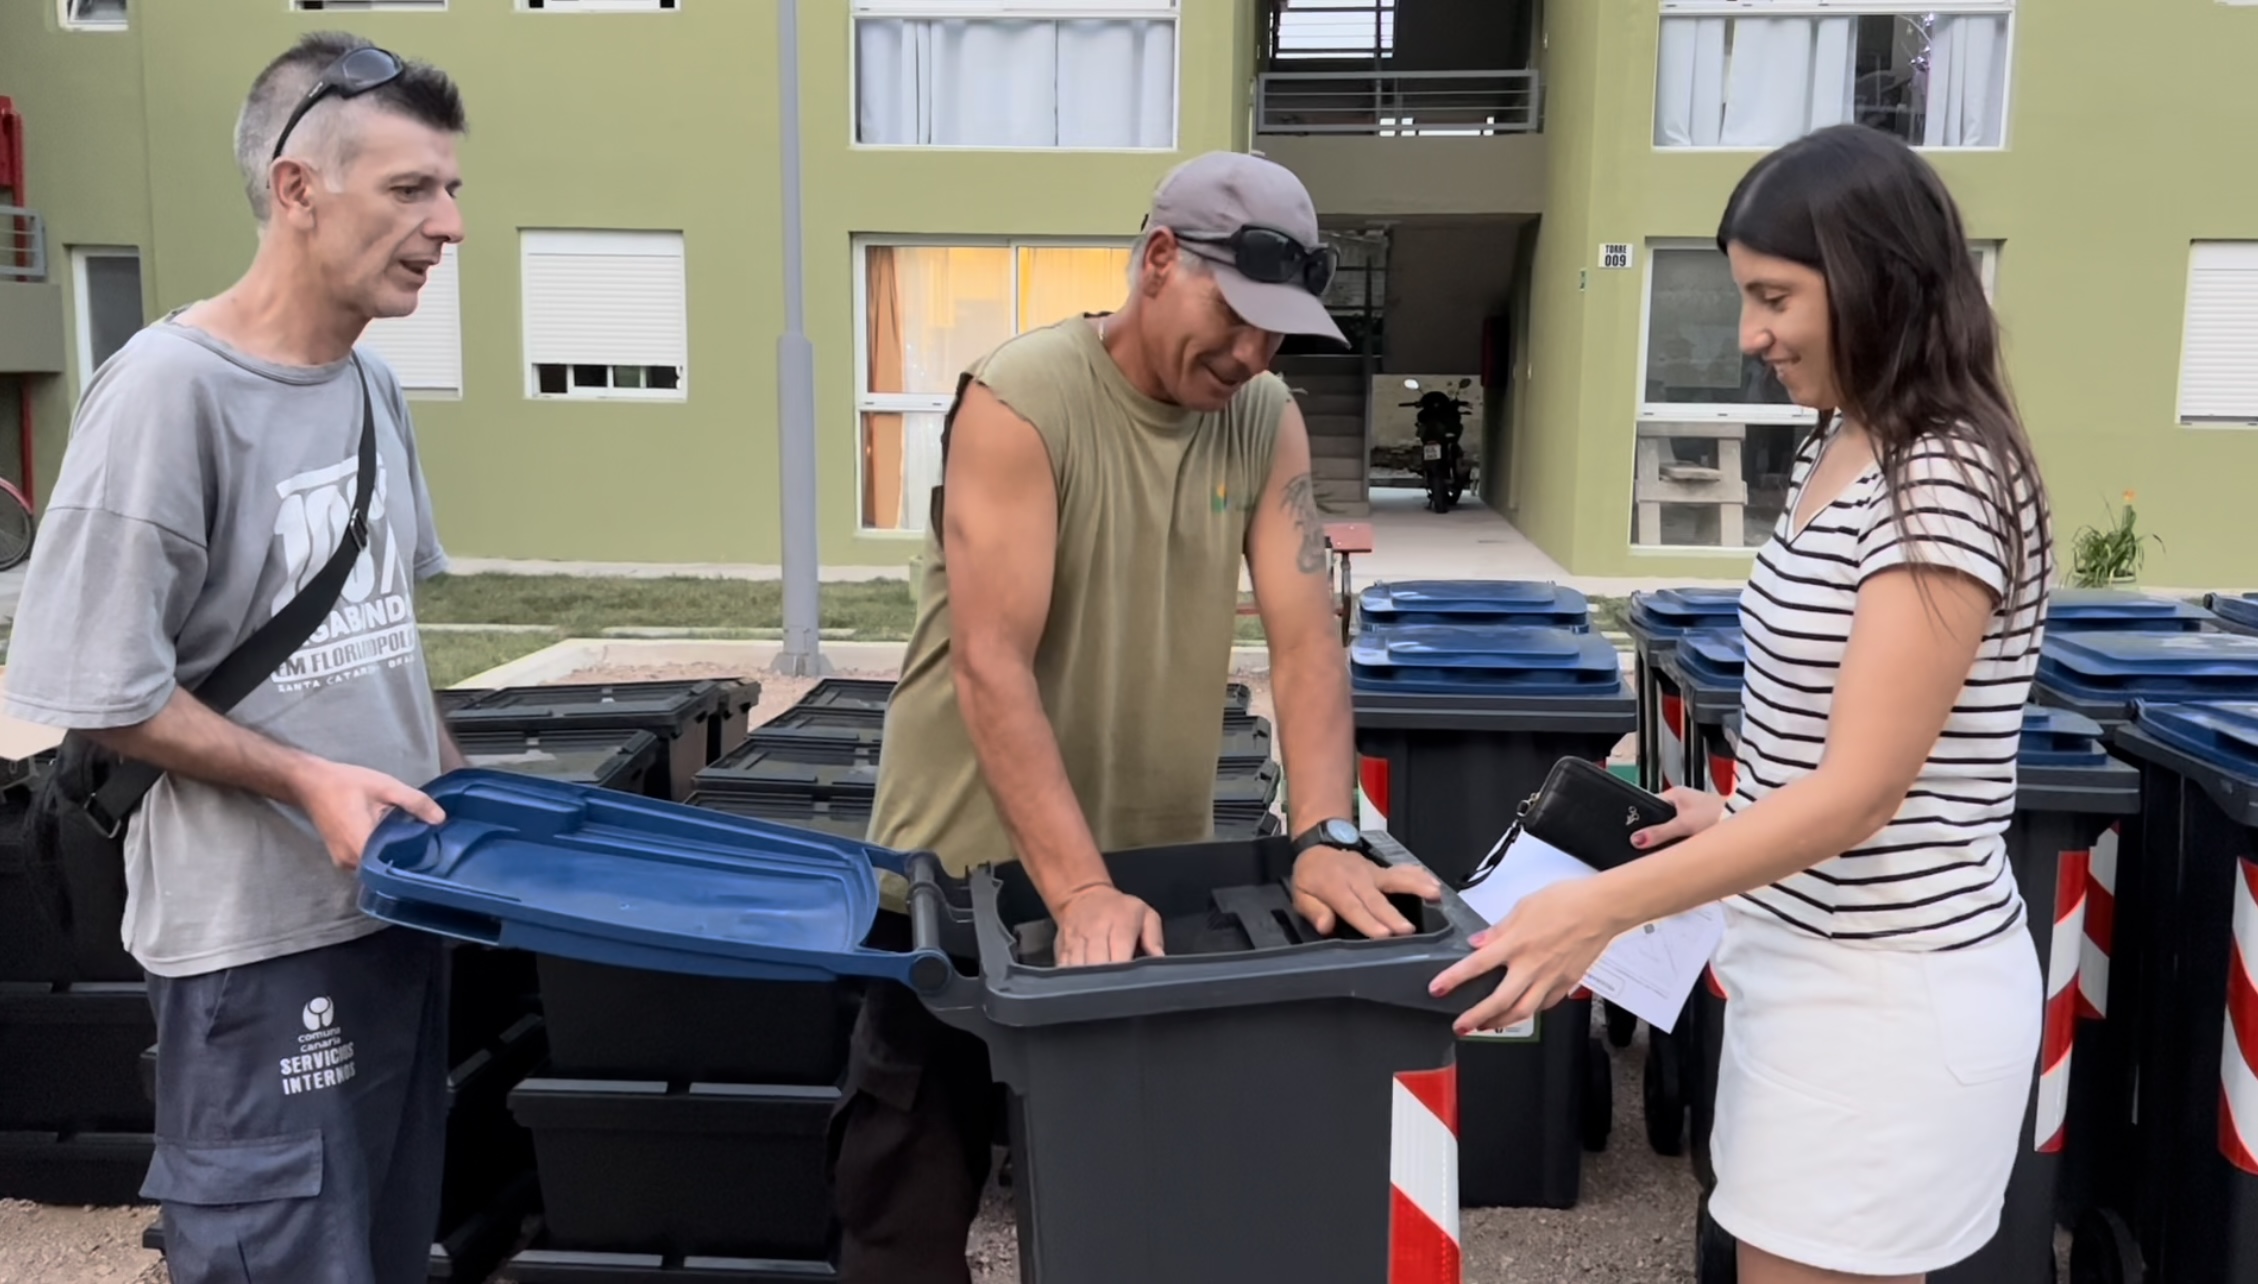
x=62, y=1245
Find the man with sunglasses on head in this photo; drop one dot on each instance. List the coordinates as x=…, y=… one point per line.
x=213, y=464
x=1105, y=480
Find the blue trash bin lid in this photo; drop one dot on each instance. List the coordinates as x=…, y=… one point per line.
x=2223, y=735
x=2241, y=610
x=2076, y=610
x=1478, y=598
x=2157, y=666
x=1457, y=659
x=607, y=877
x=1712, y=658
x=1688, y=608
x=2059, y=738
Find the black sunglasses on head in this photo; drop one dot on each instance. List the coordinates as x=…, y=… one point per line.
x=349, y=77
x=1274, y=257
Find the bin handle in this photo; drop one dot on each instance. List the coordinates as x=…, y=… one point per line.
x=1388, y=851
x=933, y=923
x=442, y=920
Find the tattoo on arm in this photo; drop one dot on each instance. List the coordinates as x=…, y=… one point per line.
x=1300, y=501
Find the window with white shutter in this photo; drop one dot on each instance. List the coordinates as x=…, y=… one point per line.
x=606, y=315
x=425, y=347
x=2219, y=355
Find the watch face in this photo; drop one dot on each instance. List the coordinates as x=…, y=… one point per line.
x=1340, y=833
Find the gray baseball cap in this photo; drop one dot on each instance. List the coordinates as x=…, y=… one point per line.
x=1215, y=195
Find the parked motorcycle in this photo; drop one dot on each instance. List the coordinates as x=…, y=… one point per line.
x=1444, y=469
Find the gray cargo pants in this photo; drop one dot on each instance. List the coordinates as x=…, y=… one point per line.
x=301, y=1115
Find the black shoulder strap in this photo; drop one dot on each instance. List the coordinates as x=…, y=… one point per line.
x=264, y=651
x=948, y=425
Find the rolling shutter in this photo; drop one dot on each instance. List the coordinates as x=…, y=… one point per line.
x=605, y=298
x=2219, y=355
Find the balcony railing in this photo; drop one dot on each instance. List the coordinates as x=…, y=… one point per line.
x=1399, y=104
x=23, y=245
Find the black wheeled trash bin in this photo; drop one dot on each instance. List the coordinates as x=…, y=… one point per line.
x=2069, y=792
x=1656, y=621
x=1455, y=726
x=1140, y=1153
x=2193, y=1202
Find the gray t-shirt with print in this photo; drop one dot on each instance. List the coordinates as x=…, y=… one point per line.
x=201, y=489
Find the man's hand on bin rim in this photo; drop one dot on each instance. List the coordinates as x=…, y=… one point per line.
x=1101, y=923
x=346, y=803
x=1332, y=887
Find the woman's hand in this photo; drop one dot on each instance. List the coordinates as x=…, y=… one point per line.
x=1698, y=809
x=1545, y=946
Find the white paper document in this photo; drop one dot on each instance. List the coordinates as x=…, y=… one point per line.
x=1648, y=971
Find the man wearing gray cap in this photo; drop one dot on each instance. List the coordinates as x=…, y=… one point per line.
x=1105, y=479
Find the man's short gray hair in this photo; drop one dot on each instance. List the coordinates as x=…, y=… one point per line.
x=422, y=93
x=1193, y=263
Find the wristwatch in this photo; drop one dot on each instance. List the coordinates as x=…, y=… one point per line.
x=1333, y=833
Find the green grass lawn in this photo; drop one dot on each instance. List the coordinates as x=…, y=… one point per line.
x=581, y=606
x=453, y=656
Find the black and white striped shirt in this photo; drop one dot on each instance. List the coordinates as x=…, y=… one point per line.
x=1936, y=876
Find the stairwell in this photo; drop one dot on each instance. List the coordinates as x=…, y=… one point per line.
x=1332, y=392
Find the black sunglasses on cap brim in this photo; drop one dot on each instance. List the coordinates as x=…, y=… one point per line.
x=1272, y=257
x=349, y=77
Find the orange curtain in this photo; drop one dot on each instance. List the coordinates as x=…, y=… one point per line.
x=882, y=433
x=1057, y=282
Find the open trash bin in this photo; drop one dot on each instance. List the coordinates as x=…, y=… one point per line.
x=1486, y=603
x=622, y=760
x=2191, y=1201
x=1656, y=621
x=1142, y=1155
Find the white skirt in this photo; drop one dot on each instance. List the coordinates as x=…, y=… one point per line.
x=1870, y=1101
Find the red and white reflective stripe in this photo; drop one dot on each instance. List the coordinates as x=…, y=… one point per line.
x=1372, y=782
x=1423, y=1179
x=2238, y=1061
x=1724, y=774
x=2101, y=926
x=1716, y=986
x=2066, y=947
x=1670, y=740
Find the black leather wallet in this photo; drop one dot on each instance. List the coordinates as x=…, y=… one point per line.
x=1588, y=812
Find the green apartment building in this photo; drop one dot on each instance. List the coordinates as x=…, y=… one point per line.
x=1521, y=190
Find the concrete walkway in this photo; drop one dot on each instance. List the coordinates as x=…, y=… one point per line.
x=1469, y=542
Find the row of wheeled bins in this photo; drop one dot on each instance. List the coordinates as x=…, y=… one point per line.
x=605, y=1123
x=2135, y=844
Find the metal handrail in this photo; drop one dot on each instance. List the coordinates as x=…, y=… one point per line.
x=1398, y=104
x=23, y=244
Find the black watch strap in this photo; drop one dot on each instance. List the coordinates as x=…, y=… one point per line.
x=1338, y=832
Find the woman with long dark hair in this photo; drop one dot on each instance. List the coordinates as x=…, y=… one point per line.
x=1885, y=995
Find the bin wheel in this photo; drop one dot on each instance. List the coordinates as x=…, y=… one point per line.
x=1665, y=1090
x=1621, y=1025
x=1716, y=1253
x=1599, y=1096
x=2104, y=1251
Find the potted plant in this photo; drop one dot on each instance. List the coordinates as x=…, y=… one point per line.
x=2111, y=555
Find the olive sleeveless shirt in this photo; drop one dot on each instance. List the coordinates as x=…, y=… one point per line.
x=1153, y=508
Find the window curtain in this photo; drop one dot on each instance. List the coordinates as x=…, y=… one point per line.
x=1065, y=281
x=882, y=431
x=1752, y=82
x=994, y=82
x=1967, y=82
